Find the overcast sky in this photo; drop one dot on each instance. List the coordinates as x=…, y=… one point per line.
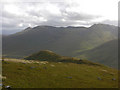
x=18, y=14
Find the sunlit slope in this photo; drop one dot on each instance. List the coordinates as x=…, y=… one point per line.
x=106, y=53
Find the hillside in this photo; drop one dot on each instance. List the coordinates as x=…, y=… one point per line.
x=66, y=41
x=106, y=53
x=50, y=56
x=42, y=74
x=44, y=55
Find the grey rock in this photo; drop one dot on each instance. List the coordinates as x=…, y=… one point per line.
x=99, y=78
x=113, y=79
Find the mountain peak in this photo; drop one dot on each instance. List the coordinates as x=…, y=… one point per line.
x=100, y=24
x=28, y=28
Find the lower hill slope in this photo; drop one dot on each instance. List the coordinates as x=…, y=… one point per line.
x=43, y=74
x=46, y=69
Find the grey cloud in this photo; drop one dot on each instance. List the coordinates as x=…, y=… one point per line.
x=39, y=12
x=111, y=22
x=78, y=16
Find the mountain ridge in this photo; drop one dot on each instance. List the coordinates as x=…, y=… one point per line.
x=65, y=41
x=62, y=27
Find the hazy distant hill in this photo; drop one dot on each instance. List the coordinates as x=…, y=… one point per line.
x=67, y=41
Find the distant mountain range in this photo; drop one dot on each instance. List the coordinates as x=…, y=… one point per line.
x=96, y=43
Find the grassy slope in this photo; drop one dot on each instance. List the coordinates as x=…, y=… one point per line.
x=106, y=53
x=55, y=75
